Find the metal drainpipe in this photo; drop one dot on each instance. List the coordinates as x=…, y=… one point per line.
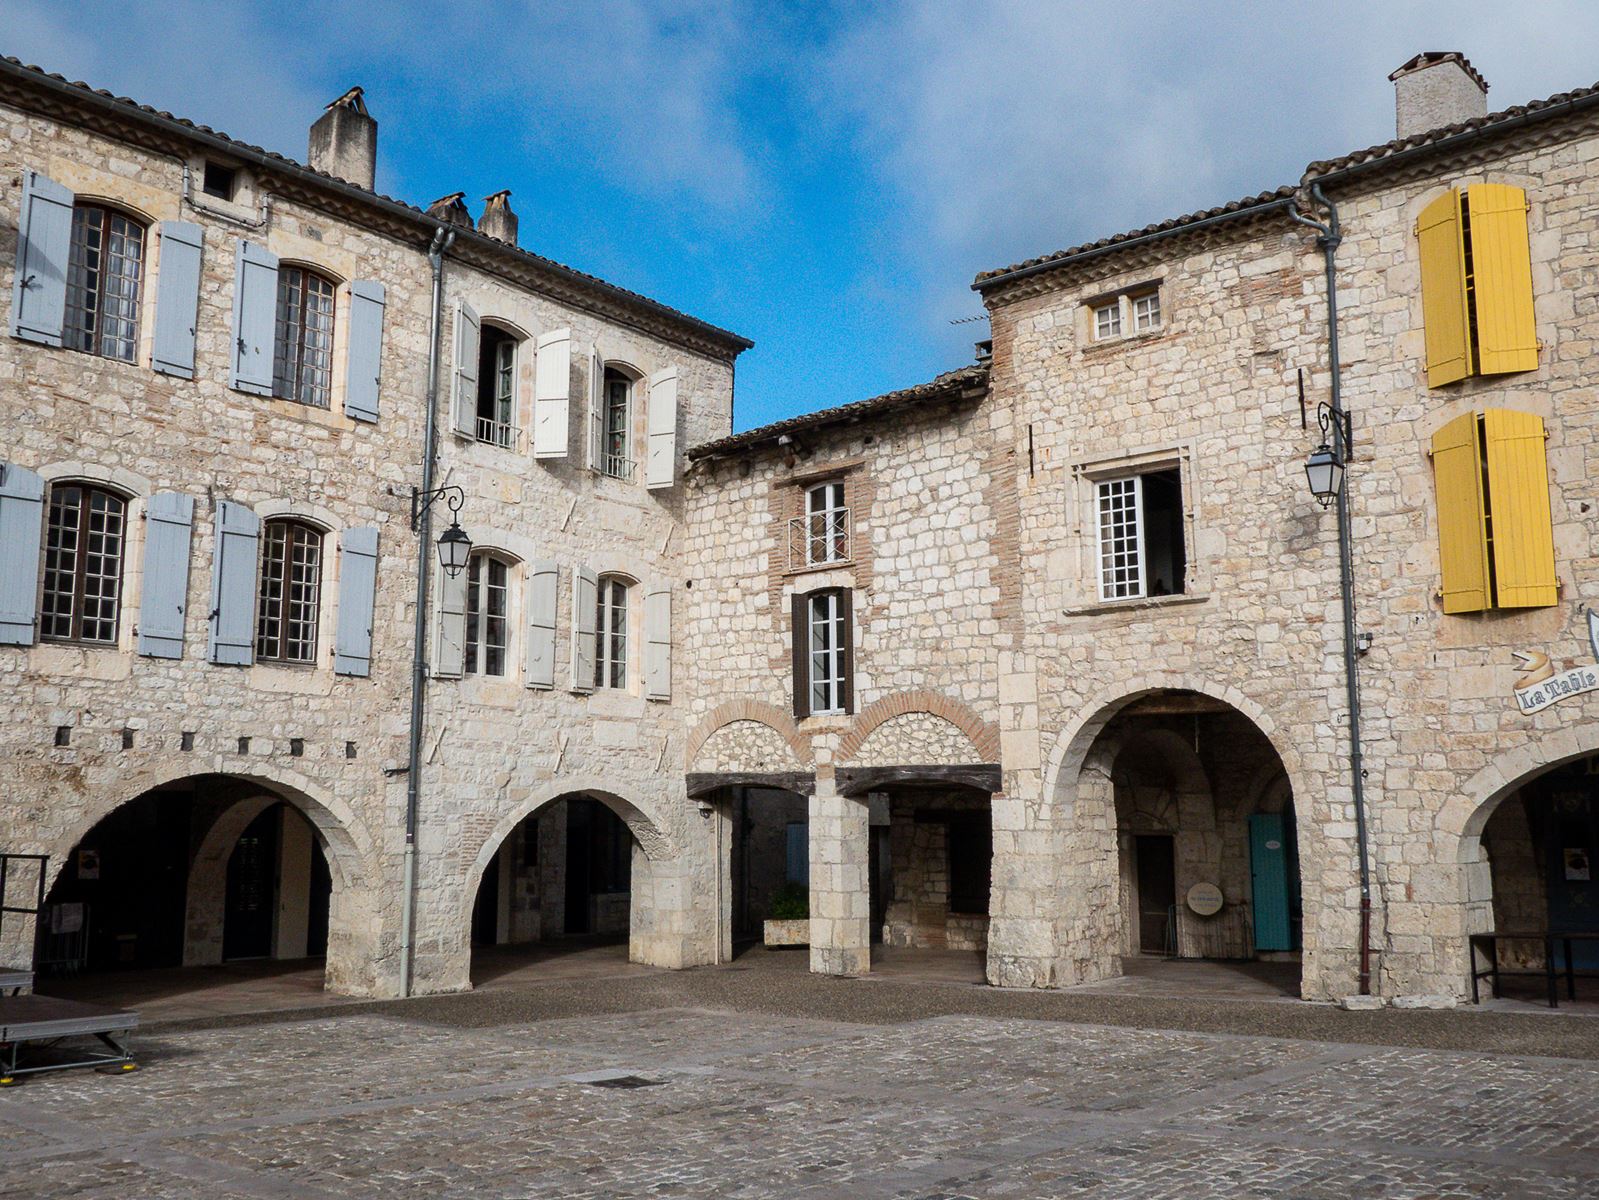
x=443, y=239
x=1330, y=235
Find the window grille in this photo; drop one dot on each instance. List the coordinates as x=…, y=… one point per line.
x=290, y=592
x=104, y=271
x=83, y=565
x=302, y=367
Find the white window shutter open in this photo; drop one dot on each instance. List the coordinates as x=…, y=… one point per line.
x=660, y=466
x=596, y=438
x=177, y=298
x=21, y=528
x=449, y=662
x=365, y=350
x=585, y=609
x=543, y=584
x=255, y=318
x=658, y=643
x=468, y=332
x=358, y=581
x=44, y=245
x=168, y=529
x=233, y=567
x=552, y=392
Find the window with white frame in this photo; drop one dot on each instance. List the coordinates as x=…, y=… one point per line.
x=610, y=627
x=496, y=387
x=1108, y=320
x=826, y=524
x=1141, y=535
x=616, y=440
x=825, y=640
x=487, y=606
x=1146, y=312
x=1128, y=313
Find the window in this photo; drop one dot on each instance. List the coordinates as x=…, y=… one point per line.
x=302, y=366
x=1496, y=539
x=1141, y=547
x=826, y=524
x=1108, y=320
x=219, y=181
x=617, y=417
x=1133, y=311
x=826, y=652
x=487, y=629
x=104, y=272
x=83, y=564
x=610, y=625
x=1146, y=312
x=289, y=592
x=496, y=387
x=1476, y=284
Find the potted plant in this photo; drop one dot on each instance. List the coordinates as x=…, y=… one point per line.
x=788, y=921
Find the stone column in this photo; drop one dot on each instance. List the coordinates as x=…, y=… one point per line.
x=292, y=927
x=841, y=904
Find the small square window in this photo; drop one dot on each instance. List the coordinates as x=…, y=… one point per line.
x=1146, y=312
x=1108, y=320
x=219, y=181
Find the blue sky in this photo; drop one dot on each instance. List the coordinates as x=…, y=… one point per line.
x=824, y=178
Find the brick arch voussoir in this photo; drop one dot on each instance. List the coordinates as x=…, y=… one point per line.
x=731, y=711
x=983, y=735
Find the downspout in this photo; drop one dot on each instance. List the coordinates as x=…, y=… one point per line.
x=1329, y=237
x=443, y=238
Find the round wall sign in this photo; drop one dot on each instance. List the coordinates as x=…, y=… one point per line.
x=1205, y=899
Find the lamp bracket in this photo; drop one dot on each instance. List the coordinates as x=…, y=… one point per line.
x=421, y=501
x=1338, y=428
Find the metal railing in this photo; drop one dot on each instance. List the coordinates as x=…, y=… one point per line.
x=619, y=466
x=819, y=539
x=497, y=433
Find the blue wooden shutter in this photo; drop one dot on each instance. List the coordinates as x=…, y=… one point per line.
x=468, y=345
x=658, y=643
x=177, y=300
x=238, y=538
x=21, y=527
x=585, y=633
x=596, y=439
x=44, y=244
x=543, y=583
x=358, y=578
x=169, y=522
x=449, y=662
x=1268, y=872
x=366, y=350
x=255, y=318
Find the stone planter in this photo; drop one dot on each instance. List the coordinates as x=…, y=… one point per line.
x=788, y=933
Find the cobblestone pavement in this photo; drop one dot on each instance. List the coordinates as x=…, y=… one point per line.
x=400, y=1101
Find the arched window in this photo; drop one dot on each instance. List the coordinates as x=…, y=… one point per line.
x=496, y=387
x=487, y=603
x=105, y=275
x=617, y=425
x=290, y=592
x=83, y=564
x=610, y=626
x=302, y=365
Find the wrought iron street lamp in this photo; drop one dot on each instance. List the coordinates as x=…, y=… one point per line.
x=1325, y=466
x=454, y=545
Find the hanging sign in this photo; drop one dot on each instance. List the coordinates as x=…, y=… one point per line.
x=1205, y=899
x=1541, y=685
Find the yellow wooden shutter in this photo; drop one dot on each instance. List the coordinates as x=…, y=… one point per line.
x=1507, y=336
x=1443, y=290
x=1522, y=537
x=1462, y=534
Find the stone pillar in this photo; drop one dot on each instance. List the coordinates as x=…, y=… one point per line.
x=1021, y=921
x=841, y=904
x=292, y=926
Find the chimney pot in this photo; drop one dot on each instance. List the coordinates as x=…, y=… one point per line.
x=1435, y=89
x=451, y=209
x=344, y=141
x=498, y=221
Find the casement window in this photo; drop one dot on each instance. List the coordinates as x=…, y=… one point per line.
x=302, y=364
x=1108, y=320
x=288, y=593
x=84, y=543
x=105, y=279
x=1146, y=311
x=1141, y=535
x=496, y=387
x=823, y=653
x=616, y=426
x=1476, y=284
x=1134, y=311
x=610, y=627
x=487, y=606
x=826, y=524
x=1495, y=536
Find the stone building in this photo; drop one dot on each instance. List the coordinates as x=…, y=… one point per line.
x=1044, y=658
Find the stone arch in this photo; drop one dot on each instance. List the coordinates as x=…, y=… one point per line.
x=983, y=735
x=733, y=711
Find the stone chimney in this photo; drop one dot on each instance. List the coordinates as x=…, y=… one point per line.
x=498, y=221
x=1434, y=89
x=451, y=209
x=344, y=141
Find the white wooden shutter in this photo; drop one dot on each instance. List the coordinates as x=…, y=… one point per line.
x=21, y=528
x=552, y=391
x=658, y=643
x=543, y=583
x=358, y=578
x=177, y=299
x=233, y=581
x=596, y=437
x=468, y=335
x=168, y=528
x=450, y=660
x=255, y=318
x=660, y=466
x=44, y=244
x=585, y=610
x=365, y=352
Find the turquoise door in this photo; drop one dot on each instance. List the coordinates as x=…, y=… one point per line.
x=1268, y=873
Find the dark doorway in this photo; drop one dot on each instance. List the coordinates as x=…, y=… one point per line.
x=579, y=860
x=486, y=908
x=1570, y=817
x=971, y=862
x=1156, y=864
x=252, y=895
x=880, y=869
